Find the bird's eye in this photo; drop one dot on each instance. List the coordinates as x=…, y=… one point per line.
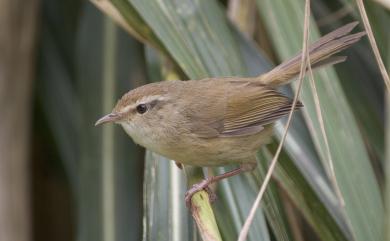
x=141, y=108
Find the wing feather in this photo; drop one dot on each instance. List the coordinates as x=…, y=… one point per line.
x=260, y=106
x=237, y=109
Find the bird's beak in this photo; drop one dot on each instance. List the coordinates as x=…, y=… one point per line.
x=108, y=118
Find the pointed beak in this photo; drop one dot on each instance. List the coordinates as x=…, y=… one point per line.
x=108, y=118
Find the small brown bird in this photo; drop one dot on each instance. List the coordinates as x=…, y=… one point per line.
x=218, y=121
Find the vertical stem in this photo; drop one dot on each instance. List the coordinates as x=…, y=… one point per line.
x=17, y=44
x=201, y=208
x=175, y=185
x=108, y=172
x=330, y=168
x=245, y=229
x=374, y=46
x=387, y=165
x=387, y=158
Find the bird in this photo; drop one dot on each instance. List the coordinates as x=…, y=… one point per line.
x=221, y=120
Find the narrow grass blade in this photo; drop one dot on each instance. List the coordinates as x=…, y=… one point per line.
x=363, y=204
x=306, y=198
x=273, y=206
x=165, y=214
x=304, y=156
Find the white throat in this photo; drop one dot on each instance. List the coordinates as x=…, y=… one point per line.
x=141, y=136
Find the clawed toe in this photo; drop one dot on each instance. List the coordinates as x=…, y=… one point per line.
x=204, y=185
x=212, y=195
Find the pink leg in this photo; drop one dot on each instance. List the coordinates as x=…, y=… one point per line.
x=206, y=182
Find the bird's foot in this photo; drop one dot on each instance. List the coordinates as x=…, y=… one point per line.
x=203, y=185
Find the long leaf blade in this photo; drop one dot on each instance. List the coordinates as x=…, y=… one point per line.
x=363, y=204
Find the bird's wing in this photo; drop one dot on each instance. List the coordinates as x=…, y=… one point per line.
x=246, y=114
x=232, y=113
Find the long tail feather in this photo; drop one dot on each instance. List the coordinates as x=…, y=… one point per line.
x=321, y=54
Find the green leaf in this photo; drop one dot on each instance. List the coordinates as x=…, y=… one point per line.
x=196, y=35
x=236, y=197
x=308, y=173
x=71, y=98
x=366, y=96
x=387, y=156
x=273, y=206
x=307, y=199
x=165, y=214
x=363, y=204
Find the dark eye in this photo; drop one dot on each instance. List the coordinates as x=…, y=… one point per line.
x=141, y=108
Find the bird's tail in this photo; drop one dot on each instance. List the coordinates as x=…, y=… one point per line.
x=321, y=53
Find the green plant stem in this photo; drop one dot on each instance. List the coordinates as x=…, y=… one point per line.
x=387, y=166
x=108, y=165
x=201, y=208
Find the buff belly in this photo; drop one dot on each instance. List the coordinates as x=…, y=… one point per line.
x=196, y=151
x=218, y=151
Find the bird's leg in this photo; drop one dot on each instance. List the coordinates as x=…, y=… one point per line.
x=204, y=185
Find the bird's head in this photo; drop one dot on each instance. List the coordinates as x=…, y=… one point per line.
x=139, y=109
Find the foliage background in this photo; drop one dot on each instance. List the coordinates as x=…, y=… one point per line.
x=65, y=63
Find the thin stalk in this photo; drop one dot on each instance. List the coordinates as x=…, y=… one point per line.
x=108, y=175
x=387, y=166
x=374, y=46
x=244, y=232
x=331, y=173
x=384, y=3
x=387, y=160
